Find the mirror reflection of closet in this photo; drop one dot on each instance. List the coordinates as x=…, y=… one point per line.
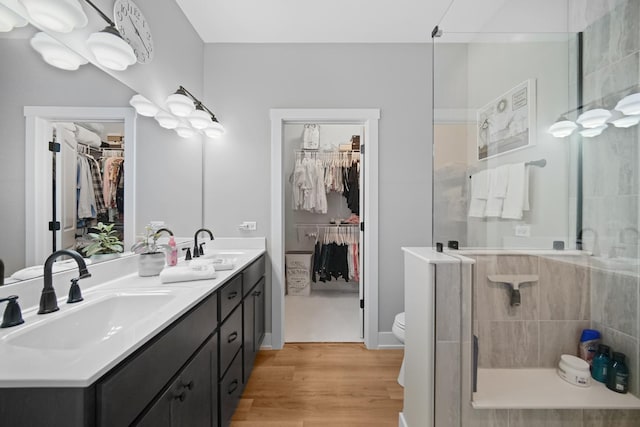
x=89, y=170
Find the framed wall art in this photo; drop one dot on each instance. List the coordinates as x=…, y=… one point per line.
x=508, y=122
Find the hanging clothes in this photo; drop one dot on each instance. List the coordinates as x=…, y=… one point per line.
x=336, y=257
x=96, y=179
x=86, y=199
x=111, y=169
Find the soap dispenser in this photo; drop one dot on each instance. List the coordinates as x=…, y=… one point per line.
x=172, y=254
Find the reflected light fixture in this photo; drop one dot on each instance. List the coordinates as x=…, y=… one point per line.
x=562, y=128
x=594, y=131
x=215, y=130
x=626, y=121
x=629, y=105
x=143, y=106
x=10, y=20
x=199, y=119
x=185, y=131
x=61, y=16
x=55, y=53
x=167, y=120
x=593, y=118
x=108, y=47
x=180, y=104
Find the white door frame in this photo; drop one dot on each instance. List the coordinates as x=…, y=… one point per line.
x=38, y=171
x=369, y=119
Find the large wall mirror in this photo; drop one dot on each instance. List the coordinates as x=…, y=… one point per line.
x=38, y=102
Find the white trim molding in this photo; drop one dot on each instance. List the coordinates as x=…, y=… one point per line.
x=388, y=341
x=38, y=170
x=368, y=118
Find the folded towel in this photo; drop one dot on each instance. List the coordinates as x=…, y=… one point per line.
x=499, y=179
x=186, y=274
x=479, y=193
x=517, y=199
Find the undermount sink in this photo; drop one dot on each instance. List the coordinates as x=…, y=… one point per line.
x=90, y=323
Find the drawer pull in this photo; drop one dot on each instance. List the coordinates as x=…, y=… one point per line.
x=232, y=337
x=188, y=386
x=257, y=293
x=180, y=396
x=232, y=295
x=232, y=387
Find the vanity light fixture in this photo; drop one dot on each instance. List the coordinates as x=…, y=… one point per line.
x=10, y=20
x=562, y=128
x=143, y=106
x=166, y=120
x=593, y=118
x=626, y=121
x=55, y=53
x=594, y=131
x=180, y=104
x=215, y=130
x=629, y=105
x=185, y=131
x=108, y=47
x=61, y=16
x=199, y=119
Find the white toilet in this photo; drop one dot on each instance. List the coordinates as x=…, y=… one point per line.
x=398, y=331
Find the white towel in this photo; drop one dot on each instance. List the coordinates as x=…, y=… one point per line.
x=497, y=190
x=479, y=193
x=517, y=199
x=186, y=274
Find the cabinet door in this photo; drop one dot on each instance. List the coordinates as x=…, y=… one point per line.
x=248, y=346
x=188, y=400
x=259, y=298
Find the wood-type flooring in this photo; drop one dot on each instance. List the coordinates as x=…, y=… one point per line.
x=322, y=385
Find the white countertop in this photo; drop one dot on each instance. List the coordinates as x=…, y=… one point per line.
x=543, y=389
x=37, y=367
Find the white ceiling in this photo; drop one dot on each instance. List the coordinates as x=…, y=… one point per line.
x=313, y=21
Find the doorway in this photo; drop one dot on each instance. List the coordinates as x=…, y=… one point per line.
x=367, y=122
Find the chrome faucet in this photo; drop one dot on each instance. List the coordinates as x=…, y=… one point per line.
x=197, y=250
x=48, y=299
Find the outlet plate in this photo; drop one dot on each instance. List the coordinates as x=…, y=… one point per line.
x=248, y=226
x=523, y=230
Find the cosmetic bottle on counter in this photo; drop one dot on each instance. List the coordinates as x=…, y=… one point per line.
x=172, y=255
x=618, y=374
x=600, y=365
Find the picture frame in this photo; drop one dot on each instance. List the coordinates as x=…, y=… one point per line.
x=508, y=122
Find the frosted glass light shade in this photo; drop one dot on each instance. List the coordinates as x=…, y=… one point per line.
x=166, y=120
x=593, y=118
x=180, y=105
x=626, y=121
x=629, y=105
x=591, y=132
x=215, y=130
x=61, y=16
x=110, y=50
x=55, y=53
x=143, y=106
x=185, y=131
x=200, y=119
x=562, y=128
x=10, y=20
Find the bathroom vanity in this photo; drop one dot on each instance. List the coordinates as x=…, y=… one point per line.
x=138, y=352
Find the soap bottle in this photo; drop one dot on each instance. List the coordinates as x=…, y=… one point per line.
x=172, y=256
x=618, y=375
x=589, y=341
x=600, y=365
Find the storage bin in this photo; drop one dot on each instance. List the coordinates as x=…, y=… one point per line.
x=298, y=265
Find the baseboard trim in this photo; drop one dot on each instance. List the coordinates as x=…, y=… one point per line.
x=388, y=341
x=266, y=342
x=401, y=421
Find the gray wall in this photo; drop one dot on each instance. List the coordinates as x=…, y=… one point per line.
x=243, y=82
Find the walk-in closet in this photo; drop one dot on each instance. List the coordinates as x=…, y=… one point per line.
x=89, y=164
x=322, y=165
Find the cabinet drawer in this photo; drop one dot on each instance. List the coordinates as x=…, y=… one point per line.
x=252, y=274
x=128, y=389
x=230, y=296
x=230, y=391
x=230, y=339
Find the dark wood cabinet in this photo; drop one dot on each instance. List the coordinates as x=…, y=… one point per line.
x=191, y=374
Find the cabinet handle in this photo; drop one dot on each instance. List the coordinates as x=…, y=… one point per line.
x=180, y=396
x=188, y=386
x=257, y=293
x=232, y=295
x=232, y=387
x=232, y=337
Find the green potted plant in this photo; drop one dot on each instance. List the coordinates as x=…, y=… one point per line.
x=105, y=244
x=152, y=256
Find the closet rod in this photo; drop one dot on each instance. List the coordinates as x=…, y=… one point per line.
x=326, y=225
